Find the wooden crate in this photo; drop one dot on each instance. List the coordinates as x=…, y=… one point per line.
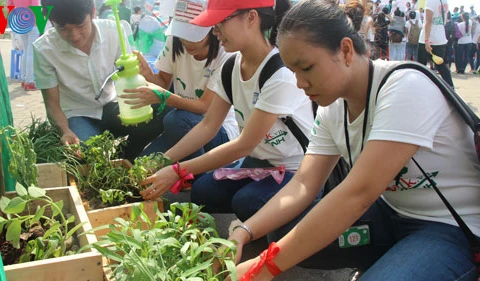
x=107, y=215
x=80, y=267
x=51, y=175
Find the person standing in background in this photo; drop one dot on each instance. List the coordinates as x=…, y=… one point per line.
x=462, y=50
x=123, y=12
x=26, y=64
x=432, y=37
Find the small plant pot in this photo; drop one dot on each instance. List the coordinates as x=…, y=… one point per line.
x=78, y=267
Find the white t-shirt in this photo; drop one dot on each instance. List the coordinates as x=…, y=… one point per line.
x=78, y=75
x=190, y=77
x=467, y=36
x=437, y=33
x=279, y=95
x=411, y=109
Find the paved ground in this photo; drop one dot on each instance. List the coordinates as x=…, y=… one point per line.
x=25, y=104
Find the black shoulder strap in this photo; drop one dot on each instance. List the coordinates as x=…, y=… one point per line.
x=467, y=115
x=273, y=64
x=227, y=70
x=459, y=104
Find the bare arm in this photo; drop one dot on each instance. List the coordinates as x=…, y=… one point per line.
x=55, y=114
x=428, y=29
x=255, y=130
x=143, y=96
x=340, y=208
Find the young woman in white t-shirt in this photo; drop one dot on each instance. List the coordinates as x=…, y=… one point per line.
x=402, y=230
x=462, y=50
x=190, y=57
x=264, y=139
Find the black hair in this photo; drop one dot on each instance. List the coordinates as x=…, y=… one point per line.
x=323, y=23
x=355, y=11
x=137, y=9
x=466, y=17
x=68, y=11
x=213, y=47
x=412, y=15
x=271, y=17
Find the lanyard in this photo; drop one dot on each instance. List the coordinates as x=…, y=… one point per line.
x=365, y=116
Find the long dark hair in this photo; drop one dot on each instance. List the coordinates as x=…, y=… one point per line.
x=466, y=18
x=324, y=24
x=271, y=17
x=213, y=47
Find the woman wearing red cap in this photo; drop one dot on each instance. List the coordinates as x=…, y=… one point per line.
x=265, y=140
x=385, y=216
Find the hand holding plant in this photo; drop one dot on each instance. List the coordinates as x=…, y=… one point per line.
x=160, y=182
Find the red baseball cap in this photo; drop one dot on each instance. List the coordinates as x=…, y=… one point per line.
x=218, y=10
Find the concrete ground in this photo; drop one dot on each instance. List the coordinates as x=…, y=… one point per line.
x=26, y=104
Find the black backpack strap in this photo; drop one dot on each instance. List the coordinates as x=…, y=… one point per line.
x=227, y=70
x=273, y=64
x=452, y=97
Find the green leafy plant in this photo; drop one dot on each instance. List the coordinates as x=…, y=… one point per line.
x=35, y=224
x=102, y=181
x=145, y=166
x=182, y=244
x=22, y=156
x=46, y=141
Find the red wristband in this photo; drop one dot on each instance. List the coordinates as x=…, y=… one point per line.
x=182, y=181
x=266, y=258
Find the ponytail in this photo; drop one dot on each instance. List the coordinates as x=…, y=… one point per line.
x=271, y=17
x=281, y=8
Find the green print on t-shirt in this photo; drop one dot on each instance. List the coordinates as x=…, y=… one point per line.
x=402, y=184
x=199, y=93
x=276, y=139
x=184, y=86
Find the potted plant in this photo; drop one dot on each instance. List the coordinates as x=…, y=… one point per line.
x=180, y=244
x=109, y=186
x=38, y=237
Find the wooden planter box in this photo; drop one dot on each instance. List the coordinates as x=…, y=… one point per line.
x=51, y=175
x=80, y=267
x=107, y=215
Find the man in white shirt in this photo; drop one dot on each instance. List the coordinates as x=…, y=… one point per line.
x=71, y=62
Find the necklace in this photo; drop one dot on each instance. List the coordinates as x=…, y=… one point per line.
x=365, y=116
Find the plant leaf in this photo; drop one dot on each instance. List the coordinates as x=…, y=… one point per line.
x=15, y=206
x=4, y=203
x=36, y=192
x=21, y=191
x=13, y=233
x=39, y=213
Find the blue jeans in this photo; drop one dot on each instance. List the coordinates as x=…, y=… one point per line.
x=412, y=52
x=243, y=197
x=400, y=249
x=138, y=136
x=176, y=124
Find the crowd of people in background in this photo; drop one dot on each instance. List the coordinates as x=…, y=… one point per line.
x=393, y=34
